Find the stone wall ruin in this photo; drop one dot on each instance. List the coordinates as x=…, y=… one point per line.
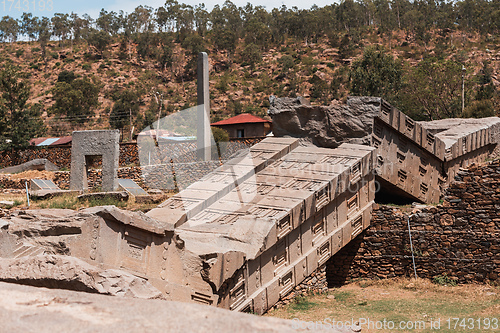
x=89, y=144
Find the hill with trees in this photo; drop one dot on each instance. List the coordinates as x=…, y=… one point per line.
x=124, y=70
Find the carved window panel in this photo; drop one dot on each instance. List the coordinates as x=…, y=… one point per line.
x=179, y=203
x=376, y=142
x=247, y=188
x=401, y=157
x=237, y=294
x=263, y=189
x=202, y=298
x=336, y=160
x=385, y=108
x=220, y=178
x=430, y=139
x=357, y=226
x=380, y=161
x=289, y=165
x=355, y=174
x=448, y=153
x=207, y=215
x=423, y=188
x=302, y=184
x=260, y=211
x=318, y=227
x=422, y=170
x=324, y=253
x=286, y=283
x=410, y=124
x=135, y=249
x=402, y=176
x=322, y=198
x=352, y=205
x=280, y=259
x=284, y=226
x=264, y=155
x=377, y=130
x=227, y=219
x=464, y=145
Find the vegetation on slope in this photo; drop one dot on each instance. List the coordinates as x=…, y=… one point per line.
x=124, y=70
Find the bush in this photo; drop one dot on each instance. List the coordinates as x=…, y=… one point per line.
x=444, y=280
x=220, y=135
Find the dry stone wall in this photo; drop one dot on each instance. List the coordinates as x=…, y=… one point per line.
x=129, y=155
x=460, y=238
x=163, y=176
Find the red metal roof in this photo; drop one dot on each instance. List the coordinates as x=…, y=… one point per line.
x=243, y=118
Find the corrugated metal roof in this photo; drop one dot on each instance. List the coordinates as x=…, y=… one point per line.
x=39, y=142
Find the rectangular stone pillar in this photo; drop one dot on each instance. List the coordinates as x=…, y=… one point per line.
x=87, y=144
x=203, y=112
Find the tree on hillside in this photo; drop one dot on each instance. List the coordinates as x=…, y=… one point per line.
x=201, y=19
x=76, y=100
x=376, y=74
x=19, y=121
x=44, y=34
x=108, y=22
x=433, y=90
x=61, y=26
x=9, y=29
x=99, y=40
x=29, y=26
x=126, y=107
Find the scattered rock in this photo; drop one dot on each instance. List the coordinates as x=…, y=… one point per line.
x=65, y=272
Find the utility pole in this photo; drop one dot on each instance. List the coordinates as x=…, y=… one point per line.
x=463, y=88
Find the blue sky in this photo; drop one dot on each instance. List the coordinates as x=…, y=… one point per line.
x=15, y=8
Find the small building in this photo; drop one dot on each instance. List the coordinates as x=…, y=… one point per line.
x=245, y=126
x=43, y=142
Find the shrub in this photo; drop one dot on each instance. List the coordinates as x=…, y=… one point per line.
x=444, y=280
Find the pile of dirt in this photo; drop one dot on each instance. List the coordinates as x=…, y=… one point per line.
x=32, y=174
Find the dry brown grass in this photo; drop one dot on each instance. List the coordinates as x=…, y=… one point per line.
x=399, y=300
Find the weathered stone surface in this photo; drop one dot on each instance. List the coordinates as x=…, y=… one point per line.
x=416, y=160
x=326, y=126
x=6, y=203
x=30, y=309
x=121, y=196
x=85, y=146
x=65, y=272
x=36, y=164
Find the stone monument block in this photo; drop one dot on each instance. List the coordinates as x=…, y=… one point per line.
x=87, y=145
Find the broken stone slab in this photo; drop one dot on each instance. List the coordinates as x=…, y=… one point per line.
x=6, y=204
x=47, y=194
x=327, y=126
x=4, y=224
x=65, y=272
x=135, y=219
x=120, y=196
x=37, y=164
x=31, y=309
x=150, y=199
